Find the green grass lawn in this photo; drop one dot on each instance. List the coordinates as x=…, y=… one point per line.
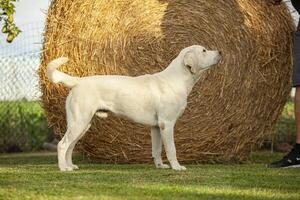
x=36, y=176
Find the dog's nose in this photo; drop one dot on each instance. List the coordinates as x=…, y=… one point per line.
x=220, y=52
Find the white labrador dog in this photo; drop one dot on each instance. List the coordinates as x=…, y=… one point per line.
x=156, y=99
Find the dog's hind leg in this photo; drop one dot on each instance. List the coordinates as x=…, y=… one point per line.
x=78, y=118
x=71, y=148
x=157, y=148
x=67, y=144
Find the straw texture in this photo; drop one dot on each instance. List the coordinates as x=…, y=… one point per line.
x=230, y=110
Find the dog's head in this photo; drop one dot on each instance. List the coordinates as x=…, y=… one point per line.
x=197, y=59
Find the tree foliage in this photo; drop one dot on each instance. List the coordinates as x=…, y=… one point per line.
x=7, y=10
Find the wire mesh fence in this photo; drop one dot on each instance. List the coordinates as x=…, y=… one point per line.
x=23, y=126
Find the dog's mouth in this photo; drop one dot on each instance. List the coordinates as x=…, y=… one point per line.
x=219, y=57
x=217, y=60
x=206, y=68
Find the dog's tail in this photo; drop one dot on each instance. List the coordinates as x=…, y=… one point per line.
x=59, y=77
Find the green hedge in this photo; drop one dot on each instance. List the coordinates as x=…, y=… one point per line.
x=286, y=127
x=23, y=126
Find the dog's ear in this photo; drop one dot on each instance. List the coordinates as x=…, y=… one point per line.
x=190, y=61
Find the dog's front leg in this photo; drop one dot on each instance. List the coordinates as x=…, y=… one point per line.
x=157, y=148
x=167, y=135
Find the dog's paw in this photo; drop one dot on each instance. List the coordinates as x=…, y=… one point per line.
x=75, y=167
x=179, y=168
x=162, y=166
x=66, y=169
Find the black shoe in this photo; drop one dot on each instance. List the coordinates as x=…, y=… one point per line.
x=292, y=159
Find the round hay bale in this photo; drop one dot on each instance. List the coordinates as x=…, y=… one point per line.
x=230, y=110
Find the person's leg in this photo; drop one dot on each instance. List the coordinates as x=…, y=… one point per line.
x=297, y=119
x=292, y=159
x=297, y=114
x=296, y=84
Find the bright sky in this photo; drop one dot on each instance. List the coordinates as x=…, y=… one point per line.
x=30, y=18
x=28, y=11
x=18, y=78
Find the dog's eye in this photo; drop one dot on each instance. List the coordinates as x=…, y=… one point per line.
x=204, y=50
